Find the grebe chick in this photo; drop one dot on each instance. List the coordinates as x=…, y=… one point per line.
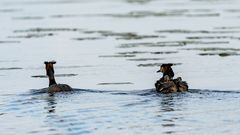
x=166, y=85
x=53, y=86
x=181, y=85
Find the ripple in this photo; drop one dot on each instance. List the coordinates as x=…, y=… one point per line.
x=11, y=68
x=33, y=35
x=123, y=35
x=146, y=52
x=139, y=1
x=9, y=42
x=181, y=31
x=10, y=10
x=48, y=30
x=88, y=38
x=28, y=18
x=56, y=75
x=154, y=64
x=222, y=54
x=113, y=108
x=170, y=43
x=65, y=15
x=214, y=37
x=204, y=15
x=152, y=44
x=115, y=83
x=145, y=59
x=213, y=49
x=141, y=14
x=117, y=56
x=227, y=27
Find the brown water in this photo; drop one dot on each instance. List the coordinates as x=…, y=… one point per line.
x=109, y=51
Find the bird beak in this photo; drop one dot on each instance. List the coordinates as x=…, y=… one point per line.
x=158, y=71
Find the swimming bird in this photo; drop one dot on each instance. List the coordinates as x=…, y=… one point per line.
x=53, y=86
x=181, y=85
x=167, y=84
x=166, y=69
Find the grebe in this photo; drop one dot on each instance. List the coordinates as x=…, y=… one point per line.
x=167, y=84
x=53, y=86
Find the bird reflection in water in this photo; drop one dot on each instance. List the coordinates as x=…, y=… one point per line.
x=170, y=104
x=51, y=104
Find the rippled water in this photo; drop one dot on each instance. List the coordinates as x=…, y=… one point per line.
x=109, y=51
x=122, y=112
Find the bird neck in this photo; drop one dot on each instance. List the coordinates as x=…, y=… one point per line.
x=51, y=80
x=169, y=72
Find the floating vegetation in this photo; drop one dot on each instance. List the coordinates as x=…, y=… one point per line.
x=48, y=30
x=145, y=59
x=88, y=38
x=117, y=56
x=32, y=35
x=115, y=83
x=11, y=68
x=57, y=75
x=180, y=31
x=29, y=18
x=155, y=64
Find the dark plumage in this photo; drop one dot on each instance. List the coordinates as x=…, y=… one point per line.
x=167, y=84
x=53, y=86
x=166, y=69
x=181, y=85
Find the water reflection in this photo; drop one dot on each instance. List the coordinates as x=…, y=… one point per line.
x=170, y=106
x=139, y=1
x=51, y=104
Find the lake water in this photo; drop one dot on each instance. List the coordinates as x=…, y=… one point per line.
x=109, y=52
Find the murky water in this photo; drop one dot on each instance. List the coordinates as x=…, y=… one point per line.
x=109, y=51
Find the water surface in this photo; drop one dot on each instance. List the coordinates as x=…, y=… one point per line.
x=109, y=51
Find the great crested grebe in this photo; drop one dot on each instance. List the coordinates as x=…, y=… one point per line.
x=167, y=84
x=53, y=86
